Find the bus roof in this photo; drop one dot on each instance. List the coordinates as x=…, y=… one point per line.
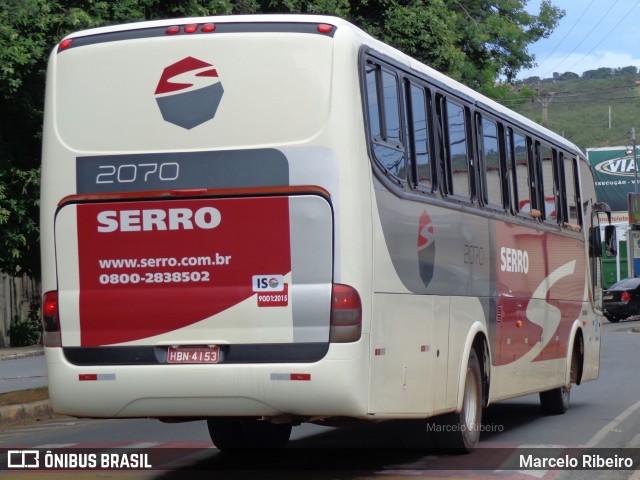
x=480, y=100
x=258, y=18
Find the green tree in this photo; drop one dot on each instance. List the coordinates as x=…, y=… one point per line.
x=494, y=37
x=24, y=46
x=423, y=29
x=475, y=41
x=19, y=201
x=630, y=70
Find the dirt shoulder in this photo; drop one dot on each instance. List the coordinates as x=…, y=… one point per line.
x=24, y=396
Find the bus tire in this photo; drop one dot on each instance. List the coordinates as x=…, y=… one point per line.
x=460, y=431
x=556, y=401
x=234, y=433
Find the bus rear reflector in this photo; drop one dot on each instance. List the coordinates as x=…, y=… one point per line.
x=64, y=44
x=346, y=314
x=324, y=28
x=192, y=27
x=51, y=320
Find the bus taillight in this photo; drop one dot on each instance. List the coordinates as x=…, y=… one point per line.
x=346, y=314
x=51, y=320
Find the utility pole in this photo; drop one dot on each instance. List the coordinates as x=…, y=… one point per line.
x=634, y=225
x=635, y=164
x=545, y=98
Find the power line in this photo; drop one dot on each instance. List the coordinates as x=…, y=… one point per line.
x=593, y=99
x=584, y=38
x=595, y=90
x=565, y=96
x=596, y=99
x=626, y=15
x=567, y=34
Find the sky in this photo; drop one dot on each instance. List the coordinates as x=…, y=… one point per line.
x=591, y=35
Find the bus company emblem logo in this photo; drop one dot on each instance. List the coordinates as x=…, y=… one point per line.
x=189, y=92
x=426, y=248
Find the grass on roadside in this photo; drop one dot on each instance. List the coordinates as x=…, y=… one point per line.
x=24, y=396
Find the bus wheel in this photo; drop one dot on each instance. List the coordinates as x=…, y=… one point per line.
x=461, y=431
x=556, y=401
x=231, y=433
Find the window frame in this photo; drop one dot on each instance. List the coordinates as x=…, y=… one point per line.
x=378, y=69
x=530, y=183
x=444, y=102
x=503, y=172
x=572, y=177
x=410, y=83
x=436, y=102
x=541, y=148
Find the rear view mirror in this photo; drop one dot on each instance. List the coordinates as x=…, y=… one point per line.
x=610, y=241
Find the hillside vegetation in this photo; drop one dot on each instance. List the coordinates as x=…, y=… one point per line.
x=595, y=110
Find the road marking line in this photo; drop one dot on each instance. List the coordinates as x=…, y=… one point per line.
x=635, y=442
x=608, y=428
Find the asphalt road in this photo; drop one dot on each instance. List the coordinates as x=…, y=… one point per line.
x=22, y=373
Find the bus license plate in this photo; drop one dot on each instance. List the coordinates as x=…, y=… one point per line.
x=189, y=354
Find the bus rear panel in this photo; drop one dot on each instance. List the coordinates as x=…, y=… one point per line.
x=189, y=225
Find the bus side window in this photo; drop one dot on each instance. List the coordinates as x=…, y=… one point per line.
x=418, y=137
x=384, y=121
x=373, y=103
x=511, y=172
x=443, y=171
x=548, y=195
x=458, y=161
x=490, y=164
x=573, y=213
x=520, y=171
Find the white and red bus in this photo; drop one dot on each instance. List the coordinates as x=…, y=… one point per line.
x=268, y=220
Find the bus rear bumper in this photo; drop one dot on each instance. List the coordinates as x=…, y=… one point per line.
x=337, y=385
